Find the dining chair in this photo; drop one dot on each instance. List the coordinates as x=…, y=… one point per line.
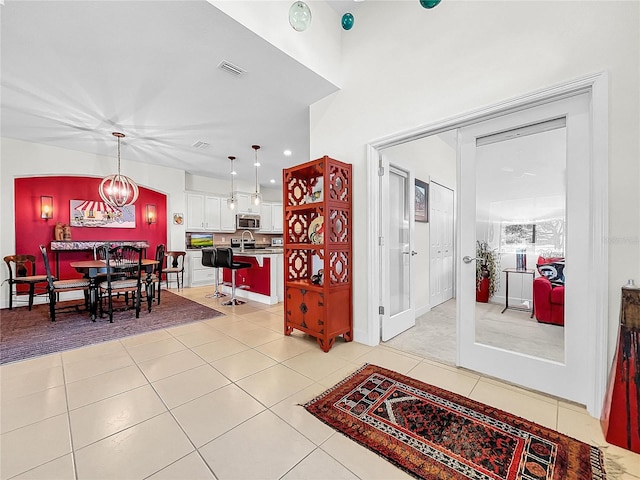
x=121, y=260
x=55, y=286
x=156, y=276
x=175, y=264
x=22, y=271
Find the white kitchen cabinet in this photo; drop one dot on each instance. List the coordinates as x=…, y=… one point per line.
x=212, y=213
x=198, y=274
x=209, y=213
x=266, y=218
x=245, y=205
x=195, y=212
x=271, y=220
x=227, y=217
x=277, y=216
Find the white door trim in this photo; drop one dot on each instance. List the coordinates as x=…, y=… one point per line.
x=596, y=85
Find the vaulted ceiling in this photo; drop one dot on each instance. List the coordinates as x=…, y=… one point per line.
x=74, y=72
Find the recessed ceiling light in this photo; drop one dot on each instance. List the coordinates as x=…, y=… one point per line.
x=287, y=153
x=273, y=180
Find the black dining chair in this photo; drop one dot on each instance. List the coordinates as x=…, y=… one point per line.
x=224, y=259
x=121, y=260
x=156, y=276
x=209, y=260
x=55, y=286
x=22, y=271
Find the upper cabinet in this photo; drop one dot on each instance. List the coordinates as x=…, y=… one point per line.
x=195, y=212
x=271, y=219
x=245, y=205
x=208, y=213
x=227, y=217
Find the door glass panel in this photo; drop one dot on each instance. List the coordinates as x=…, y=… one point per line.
x=399, y=258
x=521, y=216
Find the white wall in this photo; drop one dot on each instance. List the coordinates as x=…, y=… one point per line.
x=318, y=47
x=405, y=66
x=222, y=187
x=25, y=159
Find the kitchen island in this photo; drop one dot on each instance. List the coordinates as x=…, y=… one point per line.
x=263, y=282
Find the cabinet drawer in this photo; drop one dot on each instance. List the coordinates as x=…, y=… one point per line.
x=204, y=276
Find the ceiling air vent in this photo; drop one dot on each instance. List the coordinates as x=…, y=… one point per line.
x=200, y=145
x=231, y=68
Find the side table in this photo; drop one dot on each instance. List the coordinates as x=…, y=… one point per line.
x=507, y=271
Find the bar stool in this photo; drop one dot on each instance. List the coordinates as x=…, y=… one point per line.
x=209, y=260
x=224, y=259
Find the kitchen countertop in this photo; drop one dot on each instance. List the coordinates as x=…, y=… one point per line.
x=252, y=252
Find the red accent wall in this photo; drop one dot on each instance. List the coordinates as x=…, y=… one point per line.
x=31, y=230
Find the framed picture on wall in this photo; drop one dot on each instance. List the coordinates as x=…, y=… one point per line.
x=421, y=201
x=94, y=213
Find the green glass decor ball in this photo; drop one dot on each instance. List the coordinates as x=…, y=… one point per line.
x=347, y=21
x=429, y=3
x=299, y=16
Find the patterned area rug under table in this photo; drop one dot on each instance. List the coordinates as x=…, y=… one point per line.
x=435, y=434
x=27, y=334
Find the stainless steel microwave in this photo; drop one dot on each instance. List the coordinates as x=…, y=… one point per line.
x=247, y=221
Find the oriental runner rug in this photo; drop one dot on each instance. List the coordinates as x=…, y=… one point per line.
x=27, y=334
x=435, y=434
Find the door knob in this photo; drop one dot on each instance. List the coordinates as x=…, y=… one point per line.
x=413, y=252
x=468, y=259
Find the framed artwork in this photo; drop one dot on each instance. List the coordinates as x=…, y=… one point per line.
x=178, y=218
x=421, y=201
x=93, y=213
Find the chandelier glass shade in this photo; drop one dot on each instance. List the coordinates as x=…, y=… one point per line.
x=256, y=197
x=118, y=190
x=232, y=201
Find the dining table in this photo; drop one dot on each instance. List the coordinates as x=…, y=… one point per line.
x=92, y=269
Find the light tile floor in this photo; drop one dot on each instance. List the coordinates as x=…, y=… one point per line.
x=220, y=399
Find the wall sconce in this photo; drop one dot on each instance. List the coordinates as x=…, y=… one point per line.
x=46, y=207
x=151, y=213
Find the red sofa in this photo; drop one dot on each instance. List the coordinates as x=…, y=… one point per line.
x=548, y=299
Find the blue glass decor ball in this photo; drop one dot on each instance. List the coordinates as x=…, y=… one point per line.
x=429, y=3
x=299, y=16
x=347, y=21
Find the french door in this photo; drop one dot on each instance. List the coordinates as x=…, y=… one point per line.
x=509, y=187
x=398, y=297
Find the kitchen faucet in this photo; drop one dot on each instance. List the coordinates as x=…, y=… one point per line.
x=242, y=239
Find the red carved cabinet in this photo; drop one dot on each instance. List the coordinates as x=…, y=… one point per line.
x=317, y=250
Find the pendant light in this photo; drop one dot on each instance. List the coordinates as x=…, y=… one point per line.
x=256, y=197
x=118, y=190
x=299, y=16
x=232, y=201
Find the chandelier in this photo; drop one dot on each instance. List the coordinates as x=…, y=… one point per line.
x=118, y=190
x=232, y=201
x=256, y=197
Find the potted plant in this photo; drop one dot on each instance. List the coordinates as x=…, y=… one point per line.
x=487, y=272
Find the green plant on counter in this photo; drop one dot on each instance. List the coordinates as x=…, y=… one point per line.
x=488, y=261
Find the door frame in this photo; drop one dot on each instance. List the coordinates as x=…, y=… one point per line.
x=597, y=87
